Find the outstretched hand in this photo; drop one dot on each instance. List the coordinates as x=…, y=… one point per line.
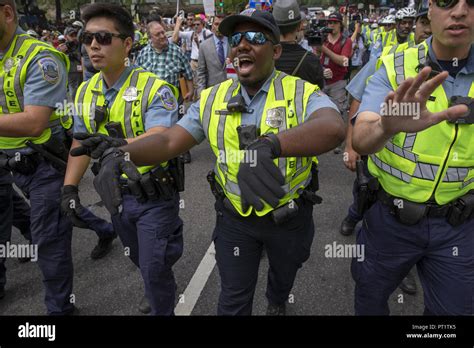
x=404, y=110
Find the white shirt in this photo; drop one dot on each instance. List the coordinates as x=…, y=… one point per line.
x=187, y=36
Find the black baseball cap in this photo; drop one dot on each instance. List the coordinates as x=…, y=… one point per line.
x=335, y=17
x=262, y=18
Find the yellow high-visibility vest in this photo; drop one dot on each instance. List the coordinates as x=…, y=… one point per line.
x=286, y=101
x=13, y=68
x=437, y=162
x=145, y=85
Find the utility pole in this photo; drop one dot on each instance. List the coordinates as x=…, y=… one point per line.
x=58, y=11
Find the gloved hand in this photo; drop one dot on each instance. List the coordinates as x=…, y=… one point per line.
x=94, y=145
x=261, y=179
x=114, y=163
x=71, y=205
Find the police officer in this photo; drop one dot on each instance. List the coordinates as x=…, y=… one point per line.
x=356, y=89
x=117, y=106
x=30, y=71
x=403, y=32
x=422, y=157
x=264, y=129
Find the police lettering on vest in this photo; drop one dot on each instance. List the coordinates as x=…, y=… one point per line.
x=12, y=79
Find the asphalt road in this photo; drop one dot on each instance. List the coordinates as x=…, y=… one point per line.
x=112, y=285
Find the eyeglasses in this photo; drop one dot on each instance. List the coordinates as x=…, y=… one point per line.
x=451, y=3
x=102, y=37
x=253, y=37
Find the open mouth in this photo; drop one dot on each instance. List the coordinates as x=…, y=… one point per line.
x=245, y=64
x=457, y=29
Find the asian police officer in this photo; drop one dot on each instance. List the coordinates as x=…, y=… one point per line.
x=117, y=106
x=279, y=121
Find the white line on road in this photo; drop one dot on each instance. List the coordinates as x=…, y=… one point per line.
x=191, y=295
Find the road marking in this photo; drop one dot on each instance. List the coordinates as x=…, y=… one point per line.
x=191, y=295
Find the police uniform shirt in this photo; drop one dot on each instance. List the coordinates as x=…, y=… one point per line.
x=379, y=85
x=192, y=122
x=159, y=113
x=46, y=80
x=39, y=89
x=357, y=85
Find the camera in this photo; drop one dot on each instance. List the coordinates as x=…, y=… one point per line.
x=317, y=32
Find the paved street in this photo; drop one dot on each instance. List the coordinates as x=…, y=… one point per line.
x=112, y=285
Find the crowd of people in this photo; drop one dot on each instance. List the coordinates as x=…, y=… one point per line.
x=289, y=80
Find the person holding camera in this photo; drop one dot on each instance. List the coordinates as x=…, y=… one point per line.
x=72, y=49
x=294, y=59
x=335, y=54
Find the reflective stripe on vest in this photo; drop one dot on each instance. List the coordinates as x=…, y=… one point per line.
x=14, y=66
x=128, y=113
x=437, y=162
x=288, y=97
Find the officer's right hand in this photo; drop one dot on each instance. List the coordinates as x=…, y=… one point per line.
x=350, y=158
x=114, y=163
x=94, y=145
x=71, y=205
x=412, y=94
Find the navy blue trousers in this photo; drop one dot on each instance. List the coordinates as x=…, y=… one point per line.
x=152, y=234
x=51, y=231
x=444, y=256
x=239, y=242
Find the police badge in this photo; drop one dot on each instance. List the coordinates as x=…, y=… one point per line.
x=9, y=64
x=167, y=98
x=275, y=117
x=49, y=69
x=130, y=94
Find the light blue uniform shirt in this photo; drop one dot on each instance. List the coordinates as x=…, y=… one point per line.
x=42, y=88
x=37, y=90
x=379, y=85
x=157, y=114
x=192, y=122
x=357, y=85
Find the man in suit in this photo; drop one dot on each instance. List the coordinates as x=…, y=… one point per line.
x=212, y=58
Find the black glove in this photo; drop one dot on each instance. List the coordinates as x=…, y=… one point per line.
x=71, y=205
x=107, y=181
x=262, y=179
x=94, y=145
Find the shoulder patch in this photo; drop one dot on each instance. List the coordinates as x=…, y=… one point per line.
x=49, y=69
x=167, y=98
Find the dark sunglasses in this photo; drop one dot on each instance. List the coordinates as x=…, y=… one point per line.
x=253, y=37
x=451, y=3
x=102, y=37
